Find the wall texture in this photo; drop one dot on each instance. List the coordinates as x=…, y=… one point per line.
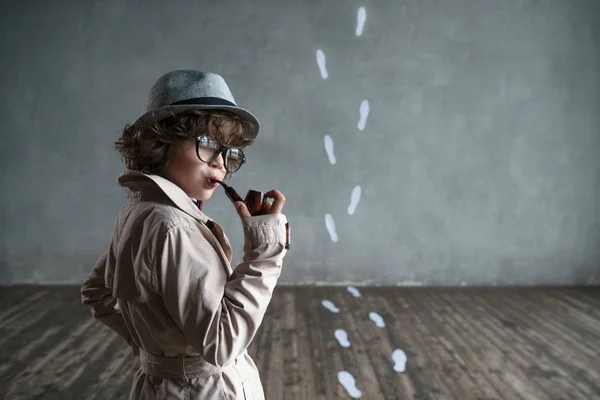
x=420, y=142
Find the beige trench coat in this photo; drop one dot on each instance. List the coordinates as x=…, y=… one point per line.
x=167, y=287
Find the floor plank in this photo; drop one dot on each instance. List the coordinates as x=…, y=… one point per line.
x=368, y=362
x=467, y=354
x=425, y=374
x=457, y=374
x=524, y=344
x=461, y=343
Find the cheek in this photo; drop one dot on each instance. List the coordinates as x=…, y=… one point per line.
x=184, y=163
x=190, y=160
x=186, y=156
x=191, y=169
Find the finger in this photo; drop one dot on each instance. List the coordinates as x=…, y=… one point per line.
x=278, y=202
x=241, y=209
x=274, y=194
x=266, y=206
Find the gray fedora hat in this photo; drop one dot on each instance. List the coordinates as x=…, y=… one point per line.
x=183, y=90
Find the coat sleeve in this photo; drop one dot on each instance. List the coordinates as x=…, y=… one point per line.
x=219, y=315
x=99, y=298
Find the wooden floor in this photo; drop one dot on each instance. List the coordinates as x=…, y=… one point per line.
x=460, y=343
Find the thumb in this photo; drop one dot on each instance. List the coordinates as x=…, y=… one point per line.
x=241, y=209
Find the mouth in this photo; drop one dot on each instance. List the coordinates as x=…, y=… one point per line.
x=212, y=182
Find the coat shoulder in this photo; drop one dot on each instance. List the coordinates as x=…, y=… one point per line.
x=160, y=218
x=170, y=217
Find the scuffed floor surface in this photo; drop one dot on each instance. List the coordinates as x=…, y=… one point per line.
x=336, y=343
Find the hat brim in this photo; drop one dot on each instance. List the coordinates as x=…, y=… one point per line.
x=168, y=111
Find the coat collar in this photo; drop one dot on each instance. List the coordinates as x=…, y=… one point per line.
x=136, y=181
x=149, y=185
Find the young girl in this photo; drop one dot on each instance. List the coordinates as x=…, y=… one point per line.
x=165, y=284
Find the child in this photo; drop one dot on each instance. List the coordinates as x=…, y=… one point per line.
x=165, y=284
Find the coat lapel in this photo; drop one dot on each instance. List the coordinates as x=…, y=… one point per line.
x=145, y=182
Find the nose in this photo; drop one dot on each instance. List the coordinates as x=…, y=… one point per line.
x=217, y=162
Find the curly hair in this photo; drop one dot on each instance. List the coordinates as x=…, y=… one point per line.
x=146, y=148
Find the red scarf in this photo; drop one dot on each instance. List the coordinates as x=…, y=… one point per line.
x=198, y=203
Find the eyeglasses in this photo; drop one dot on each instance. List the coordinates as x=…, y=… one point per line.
x=208, y=150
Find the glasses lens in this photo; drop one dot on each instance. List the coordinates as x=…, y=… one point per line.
x=207, y=149
x=234, y=158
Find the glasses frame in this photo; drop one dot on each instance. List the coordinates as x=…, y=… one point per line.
x=222, y=150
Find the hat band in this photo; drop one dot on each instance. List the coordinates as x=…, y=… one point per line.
x=205, y=101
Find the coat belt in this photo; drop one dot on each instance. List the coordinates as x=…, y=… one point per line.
x=176, y=367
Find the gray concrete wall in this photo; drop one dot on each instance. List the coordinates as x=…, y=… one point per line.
x=478, y=162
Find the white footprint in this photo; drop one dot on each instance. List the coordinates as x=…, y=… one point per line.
x=354, y=291
x=360, y=20
x=399, y=358
x=354, y=199
x=363, y=110
x=348, y=383
x=321, y=63
x=328, y=304
x=376, y=318
x=342, y=337
x=329, y=149
x=331, y=227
